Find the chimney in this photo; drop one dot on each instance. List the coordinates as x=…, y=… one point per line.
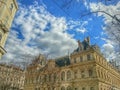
x=79, y=45
x=88, y=40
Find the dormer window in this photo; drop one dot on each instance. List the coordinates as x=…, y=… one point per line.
x=11, y=7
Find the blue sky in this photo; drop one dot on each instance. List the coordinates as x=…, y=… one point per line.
x=52, y=27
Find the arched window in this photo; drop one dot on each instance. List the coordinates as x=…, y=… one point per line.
x=81, y=58
x=76, y=88
x=49, y=88
x=75, y=74
x=11, y=6
x=90, y=73
x=82, y=74
x=88, y=57
x=63, y=76
x=62, y=88
x=75, y=60
x=91, y=88
x=83, y=88
x=68, y=75
x=69, y=88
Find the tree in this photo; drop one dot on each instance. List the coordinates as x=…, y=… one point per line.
x=102, y=8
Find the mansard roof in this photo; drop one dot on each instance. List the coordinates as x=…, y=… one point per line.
x=85, y=45
x=63, y=61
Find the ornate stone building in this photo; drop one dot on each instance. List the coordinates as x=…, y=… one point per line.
x=84, y=69
x=11, y=77
x=8, y=9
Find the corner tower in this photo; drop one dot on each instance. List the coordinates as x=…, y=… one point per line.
x=8, y=9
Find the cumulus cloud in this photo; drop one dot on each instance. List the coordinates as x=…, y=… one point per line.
x=35, y=31
x=109, y=51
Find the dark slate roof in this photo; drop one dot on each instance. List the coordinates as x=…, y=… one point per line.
x=63, y=61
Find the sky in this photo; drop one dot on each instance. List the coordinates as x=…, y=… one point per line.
x=52, y=28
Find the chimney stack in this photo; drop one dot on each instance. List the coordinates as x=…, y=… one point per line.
x=88, y=40
x=80, y=45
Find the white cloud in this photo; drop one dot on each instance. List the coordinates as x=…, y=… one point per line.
x=81, y=30
x=32, y=23
x=108, y=50
x=112, y=30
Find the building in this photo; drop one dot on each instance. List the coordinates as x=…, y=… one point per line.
x=8, y=9
x=11, y=77
x=84, y=69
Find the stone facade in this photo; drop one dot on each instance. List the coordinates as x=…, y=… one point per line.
x=11, y=77
x=8, y=9
x=84, y=69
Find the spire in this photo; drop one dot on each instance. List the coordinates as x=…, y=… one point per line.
x=80, y=47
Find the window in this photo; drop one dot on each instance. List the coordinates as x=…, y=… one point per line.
x=69, y=88
x=76, y=89
x=90, y=73
x=53, y=88
x=49, y=88
x=11, y=7
x=62, y=88
x=88, y=57
x=83, y=88
x=82, y=74
x=91, y=88
x=81, y=58
x=75, y=74
x=68, y=75
x=75, y=60
x=63, y=76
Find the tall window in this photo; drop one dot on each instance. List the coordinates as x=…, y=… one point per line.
x=69, y=88
x=90, y=73
x=81, y=58
x=49, y=88
x=62, y=88
x=11, y=6
x=88, y=57
x=75, y=74
x=63, y=76
x=82, y=74
x=76, y=88
x=68, y=75
x=75, y=60
x=83, y=88
x=91, y=88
